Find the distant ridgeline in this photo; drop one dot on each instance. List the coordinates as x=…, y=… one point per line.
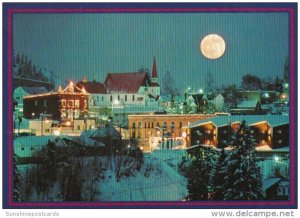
x=29, y=75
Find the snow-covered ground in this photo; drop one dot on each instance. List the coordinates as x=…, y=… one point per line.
x=27, y=145
x=161, y=183
x=157, y=180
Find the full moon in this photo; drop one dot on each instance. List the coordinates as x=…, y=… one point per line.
x=212, y=46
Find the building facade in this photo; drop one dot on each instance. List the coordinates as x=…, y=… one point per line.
x=270, y=131
x=161, y=130
x=66, y=104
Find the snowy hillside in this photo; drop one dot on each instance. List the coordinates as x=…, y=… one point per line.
x=158, y=180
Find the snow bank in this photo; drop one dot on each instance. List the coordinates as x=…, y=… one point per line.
x=27, y=145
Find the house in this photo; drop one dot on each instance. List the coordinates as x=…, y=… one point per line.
x=218, y=102
x=97, y=96
x=20, y=92
x=135, y=88
x=64, y=104
x=196, y=102
x=244, y=107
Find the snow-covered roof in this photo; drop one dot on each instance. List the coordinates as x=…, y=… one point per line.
x=101, y=132
x=269, y=182
x=273, y=120
x=125, y=82
x=247, y=104
x=136, y=109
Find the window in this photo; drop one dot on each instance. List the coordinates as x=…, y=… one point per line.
x=145, y=125
x=77, y=103
x=173, y=125
x=118, y=97
x=149, y=125
x=140, y=125
x=63, y=114
x=133, y=125
x=125, y=97
x=78, y=127
x=157, y=124
x=152, y=125
x=63, y=103
x=102, y=98
x=180, y=124
x=85, y=104
x=279, y=131
x=76, y=113
x=35, y=102
x=111, y=98
x=132, y=97
x=70, y=103
x=45, y=103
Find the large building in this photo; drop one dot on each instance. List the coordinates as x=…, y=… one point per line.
x=127, y=89
x=269, y=130
x=97, y=96
x=64, y=104
x=161, y=130
x=123, y=94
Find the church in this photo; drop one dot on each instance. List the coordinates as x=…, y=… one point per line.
x=128, y=89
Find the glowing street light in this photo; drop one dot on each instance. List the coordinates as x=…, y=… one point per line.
x=201, y=91
x=68, y=123
x=276, y=158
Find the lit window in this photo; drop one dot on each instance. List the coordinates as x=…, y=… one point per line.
x=77, y=103
x=63, y=103
x=85, y=104
x=35, y=102
x=279, y=131
x=45, y=103
x=70, y=103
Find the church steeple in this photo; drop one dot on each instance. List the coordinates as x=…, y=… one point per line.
x=154, y=72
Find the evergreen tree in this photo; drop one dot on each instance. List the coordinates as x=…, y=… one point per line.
x=197, y=175
x=243, y=176
x=18, y=59
x=200, y=175
x=16, y=180
x=218, y=178
x=258, y=109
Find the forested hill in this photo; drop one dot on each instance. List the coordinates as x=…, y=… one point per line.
x=26, y=73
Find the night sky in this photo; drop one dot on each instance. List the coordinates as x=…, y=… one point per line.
x=74, y=46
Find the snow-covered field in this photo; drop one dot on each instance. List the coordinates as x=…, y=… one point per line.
x=161, y=182
x=25, y=146
x=157, y=180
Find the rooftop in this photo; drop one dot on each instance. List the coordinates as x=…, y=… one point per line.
x=219, y=121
